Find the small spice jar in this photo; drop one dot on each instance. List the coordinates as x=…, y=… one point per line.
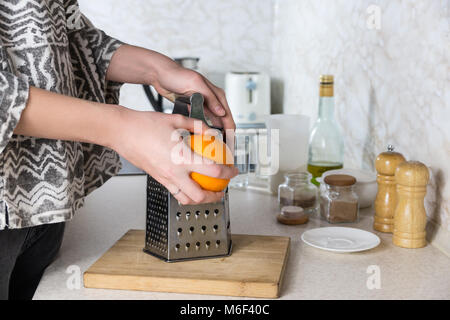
x=298, y=191
x=339, y=201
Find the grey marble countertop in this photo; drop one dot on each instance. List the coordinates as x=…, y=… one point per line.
x=310, y=274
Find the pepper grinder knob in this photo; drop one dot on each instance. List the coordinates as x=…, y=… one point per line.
x=410, y=216
x=386, y=200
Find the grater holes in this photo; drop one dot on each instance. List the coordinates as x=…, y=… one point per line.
x=161, y=230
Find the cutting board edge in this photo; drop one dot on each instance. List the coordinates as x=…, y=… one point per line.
x=253, y=289
x=267, y=290
x=285, y=262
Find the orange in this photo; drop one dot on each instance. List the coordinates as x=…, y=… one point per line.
x=213, y=149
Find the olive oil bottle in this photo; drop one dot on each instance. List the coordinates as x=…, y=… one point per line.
x=326, y=145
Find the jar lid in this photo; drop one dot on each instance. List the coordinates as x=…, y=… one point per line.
x=292, y=215
x=292, y=211
x=340, y=180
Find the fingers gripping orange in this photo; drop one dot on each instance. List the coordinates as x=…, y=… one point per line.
x=213, y=149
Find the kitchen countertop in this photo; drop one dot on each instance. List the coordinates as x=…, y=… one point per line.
x=310, y=274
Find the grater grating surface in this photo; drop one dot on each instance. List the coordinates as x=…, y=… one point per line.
x=175, y=232
x=157, y=218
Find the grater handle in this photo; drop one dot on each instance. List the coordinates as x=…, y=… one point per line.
x=197, y=111
x=196, y=101
x=181, y=106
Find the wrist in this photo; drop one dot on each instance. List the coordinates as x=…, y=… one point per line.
x=151, y=66
x=111, y=125
x=157, y=67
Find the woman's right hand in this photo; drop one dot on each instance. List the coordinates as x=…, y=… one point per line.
x=146, y=139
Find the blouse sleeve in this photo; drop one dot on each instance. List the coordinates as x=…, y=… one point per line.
x=13, y=100
x=91, y=51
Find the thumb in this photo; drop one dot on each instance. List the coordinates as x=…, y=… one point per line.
x=195, y=126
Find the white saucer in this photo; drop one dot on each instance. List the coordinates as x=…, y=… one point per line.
x=340, y=239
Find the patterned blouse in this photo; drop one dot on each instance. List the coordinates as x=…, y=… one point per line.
x=49, y=44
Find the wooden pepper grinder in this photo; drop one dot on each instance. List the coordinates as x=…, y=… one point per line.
x=410, y=216
x=386, y=200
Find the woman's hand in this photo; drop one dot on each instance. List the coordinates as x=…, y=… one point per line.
x=151, y=141
x=174, y=80
x=138, y=65
x=145, y=137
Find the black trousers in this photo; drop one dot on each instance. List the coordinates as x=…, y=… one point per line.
x=24, y=256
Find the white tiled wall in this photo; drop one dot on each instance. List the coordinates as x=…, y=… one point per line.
x=226, y=35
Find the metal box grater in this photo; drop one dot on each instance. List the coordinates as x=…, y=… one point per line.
x=175, y=232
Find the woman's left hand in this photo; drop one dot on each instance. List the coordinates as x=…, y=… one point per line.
x=176, y=80
x=132, y=64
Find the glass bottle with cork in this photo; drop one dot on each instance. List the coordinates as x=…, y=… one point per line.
x=326, y=145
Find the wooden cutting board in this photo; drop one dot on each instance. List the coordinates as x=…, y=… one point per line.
x=255, y=269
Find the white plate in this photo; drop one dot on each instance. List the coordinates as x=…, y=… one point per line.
x=340, y=239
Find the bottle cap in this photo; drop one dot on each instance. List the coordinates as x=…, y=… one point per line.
x=326, y=85
x=326, y=79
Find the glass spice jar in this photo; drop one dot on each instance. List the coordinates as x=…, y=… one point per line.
x=298, y=191
x=339, y=201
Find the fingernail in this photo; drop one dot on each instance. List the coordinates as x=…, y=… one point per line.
x=220, y=111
